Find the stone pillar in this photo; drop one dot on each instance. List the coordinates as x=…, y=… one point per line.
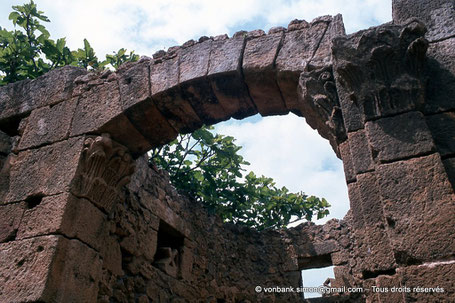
x=401, y=198
x=56, y=199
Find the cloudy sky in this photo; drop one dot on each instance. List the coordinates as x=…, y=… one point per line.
x=283, y=147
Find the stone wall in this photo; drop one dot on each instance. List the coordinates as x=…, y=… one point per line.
x=85, y=219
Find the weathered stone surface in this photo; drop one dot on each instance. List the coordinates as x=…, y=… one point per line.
x=440, y=93
x=380, y=72
x=438, y=16
x=399, y=137
x=298, y=49
x=260, y=75
x=11, y=215
x=345, y=152
x=203, y=100
x=75, y=273
x=442, y=128
x=194, y=61
x=24, y=96
x=392, y=284
x=63, y=214
x=25, y=268
x=134, y=82
x=48, y=124
x=5, y=144
x=49, y=268
x=360, y=152
x=39, y=172
x=193, y=68
x=225, y=75
x=419, y=206
x=323, y=54
x=319, y=104
x=437, y=275
x=96, y=107
x=124, y=132
x=148, y=120
x=104, y=169
x=449, y=165
x=168, y=96
x=379, y=252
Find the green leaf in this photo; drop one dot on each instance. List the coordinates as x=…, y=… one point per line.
x=13, y=16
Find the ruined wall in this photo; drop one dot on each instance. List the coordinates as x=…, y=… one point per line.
x=85, y=219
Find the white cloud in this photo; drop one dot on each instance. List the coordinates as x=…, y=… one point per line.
x=294, y=155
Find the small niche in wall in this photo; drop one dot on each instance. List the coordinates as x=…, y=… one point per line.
x=169, y=249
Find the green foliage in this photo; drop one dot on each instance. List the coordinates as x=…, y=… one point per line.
x=209, y=168
x=117, y=59
x=28, y=52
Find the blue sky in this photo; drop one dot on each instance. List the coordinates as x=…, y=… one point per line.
x=282, y=147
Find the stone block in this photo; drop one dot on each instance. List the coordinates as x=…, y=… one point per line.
x=48, y=124
x=360, y=152
x=418, y=205
x=379, y=255
x=96, y=107
x=440, y=90
x=200, y=95
x=343, y=277
x=438, y=16
x=124, y=132
x=22, y=97
x=111, y=255
x=11, y=215
x=374, y=74
x=75, y=273
x=193, y=69
x=345, y=152
x=225, y=75
x=393, y=285
x=297, y=50
x=442, y=127
x=168, y=97
x=420, y=279
x=323, y=53
x=45, y=171
x=147, y=119
x=356, y=206
x=164, y=74
x=25, y=266
x=370, y=199
x=134, y=82
x=399, y=137
x=194, y=61
x=260, y=74
x=48, y=269
x=64, y=214
x=340, y=257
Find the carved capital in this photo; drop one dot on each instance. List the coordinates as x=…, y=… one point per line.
x=379, y=72
x=322, y=109
x=105, y=168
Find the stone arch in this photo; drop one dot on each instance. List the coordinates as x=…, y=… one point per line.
x=213, y=80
